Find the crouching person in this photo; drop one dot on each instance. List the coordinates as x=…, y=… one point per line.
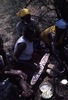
x=17, y=77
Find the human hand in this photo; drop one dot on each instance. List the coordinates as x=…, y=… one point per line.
x=27, y=93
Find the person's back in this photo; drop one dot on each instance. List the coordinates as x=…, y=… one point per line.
x=55, y=33
x=45, y=34
x=56, y=39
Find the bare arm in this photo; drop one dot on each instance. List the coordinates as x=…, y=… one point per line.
x=16, y=73
x=19, y=50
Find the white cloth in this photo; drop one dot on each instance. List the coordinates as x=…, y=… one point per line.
x=27, y=53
